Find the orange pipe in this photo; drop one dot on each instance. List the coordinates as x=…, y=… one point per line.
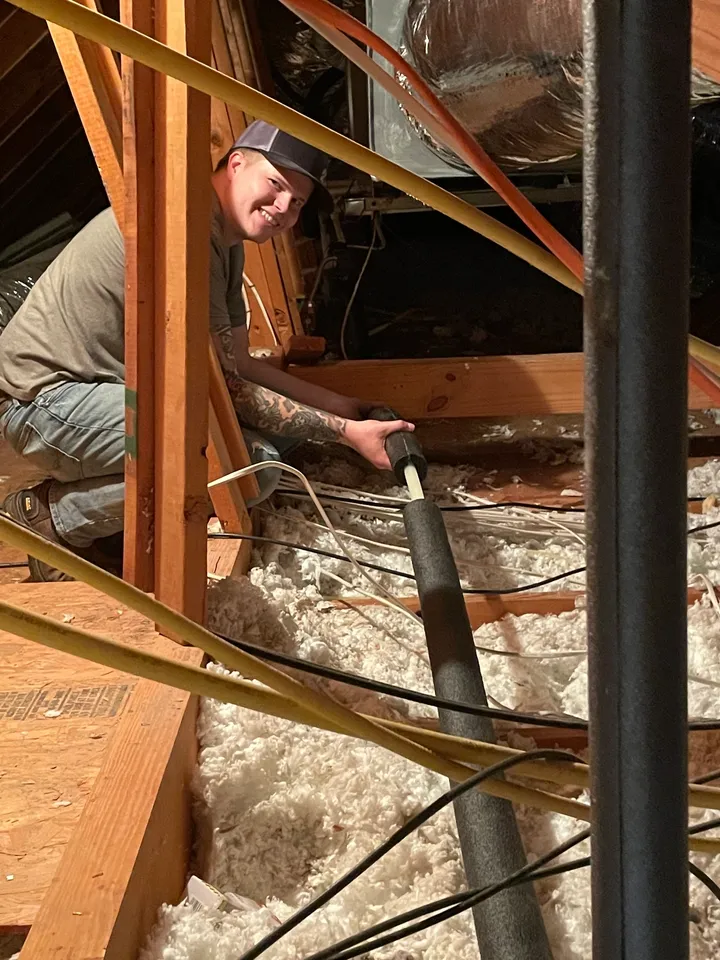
x=458, y=134
x=705, y=380
x=461, y=140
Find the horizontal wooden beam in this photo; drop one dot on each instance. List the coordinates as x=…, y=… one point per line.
x=706, y=37
x=489, y=609
x=539, y=385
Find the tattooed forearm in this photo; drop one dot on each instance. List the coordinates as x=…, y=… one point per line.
x=225, y=348
x=266, y=410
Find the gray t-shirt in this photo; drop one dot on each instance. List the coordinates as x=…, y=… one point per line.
x=72, y=325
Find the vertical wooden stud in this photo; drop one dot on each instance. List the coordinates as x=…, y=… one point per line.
x=182, y=193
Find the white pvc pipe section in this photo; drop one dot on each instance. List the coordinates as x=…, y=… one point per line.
x=413, y=483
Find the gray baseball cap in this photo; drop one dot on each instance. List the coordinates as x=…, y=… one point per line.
x=285, y=151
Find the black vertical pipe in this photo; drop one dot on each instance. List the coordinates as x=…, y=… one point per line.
x=636, y=224
x=509, y=926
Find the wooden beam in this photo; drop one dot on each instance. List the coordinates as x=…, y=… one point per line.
x=303, y=349
x=466, y=387
x=227, y=499
x=140, y=302
x=706, y=37
x=95, y=80
x=182, y=192
x=228, y=427
x=130, y=853
x=489, y=609
x=95, y=84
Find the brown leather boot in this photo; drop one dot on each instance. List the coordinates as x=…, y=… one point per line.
x=30, y=509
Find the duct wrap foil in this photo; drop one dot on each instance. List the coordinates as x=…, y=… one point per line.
x=308, y=72
x=511, y=71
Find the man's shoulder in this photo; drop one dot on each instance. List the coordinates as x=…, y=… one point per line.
x=98, y=248
x=103, y=226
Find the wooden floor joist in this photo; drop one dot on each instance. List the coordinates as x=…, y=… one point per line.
x=491, y=608
x=538, y=385
x=96, y=764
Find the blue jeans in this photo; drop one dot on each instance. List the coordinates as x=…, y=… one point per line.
x=75, y=433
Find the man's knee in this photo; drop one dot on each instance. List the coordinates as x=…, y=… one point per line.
x=71, y=432
x=262, y=450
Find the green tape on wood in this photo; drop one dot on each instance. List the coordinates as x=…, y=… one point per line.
x=131, y=446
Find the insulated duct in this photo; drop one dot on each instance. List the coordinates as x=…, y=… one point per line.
x=510, y=70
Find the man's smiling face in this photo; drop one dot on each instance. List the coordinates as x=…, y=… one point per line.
x=262, y=199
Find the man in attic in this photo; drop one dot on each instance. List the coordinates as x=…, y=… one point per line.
x=62, y=356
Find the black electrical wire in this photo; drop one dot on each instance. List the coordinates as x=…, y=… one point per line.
x=712, y=724
x=415, y=696
x=404, y=693
x=361, y=943
x=450, y=508
x=396, y=573
x=365, y=948
x=704, y=878
x=707, y=777
x=705, y=825
x=9, y=566
x=397, y=837
x=705, y=526
x=471, y=591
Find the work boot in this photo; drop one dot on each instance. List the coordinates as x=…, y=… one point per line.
x=107, y=553
x=30, y=508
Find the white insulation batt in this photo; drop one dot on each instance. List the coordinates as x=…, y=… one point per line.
x=284, y=810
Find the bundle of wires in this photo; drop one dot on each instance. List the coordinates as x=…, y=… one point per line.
x=416, y=920
x=404, y=575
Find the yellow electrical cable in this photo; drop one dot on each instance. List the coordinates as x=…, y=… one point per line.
x=94, y=26
x=703, y=350
x=118, y=656
x=142, y=663
x=569, y=774
x=322, y=706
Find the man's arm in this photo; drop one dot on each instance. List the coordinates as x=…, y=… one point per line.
x=266, y=410
x=260, y=407
x=278, y=380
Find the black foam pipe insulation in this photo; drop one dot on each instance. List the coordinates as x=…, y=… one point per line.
x=509, y=926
